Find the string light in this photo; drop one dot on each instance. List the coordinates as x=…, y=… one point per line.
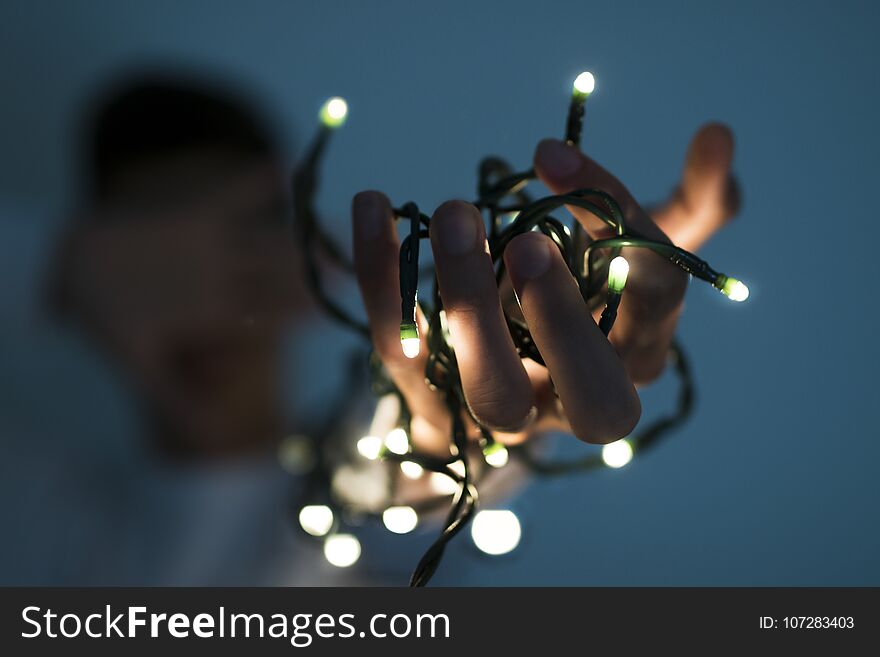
x=316, y=519
x=734, y=289
x=584, y=84
x=442, y=485
x=510, y=212
x=397, y=442
x=458, y=467
x=618, y=270
x=411, y=470
x=334, y=112
x=496, y=455
x=496, y=532
x=400, y=519
x=370, y=447
x=342, y=550
x=617, y=454
x=409, y=340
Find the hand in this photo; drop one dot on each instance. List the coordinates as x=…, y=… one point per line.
x=595, y=379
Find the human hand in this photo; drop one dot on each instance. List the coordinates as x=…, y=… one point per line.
x=595, y=379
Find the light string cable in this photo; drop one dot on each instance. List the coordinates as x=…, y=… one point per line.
x=596, y=265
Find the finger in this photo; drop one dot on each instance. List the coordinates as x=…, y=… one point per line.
x=376, y=259
x=708, y=196
x=495, y=384
x=599, y=400
x=563, y=168
x=650, y=308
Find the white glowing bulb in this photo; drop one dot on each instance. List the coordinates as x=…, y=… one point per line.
x=397, y=442
x=735, y=290
x=370, y=447
x=400, y=519
x=617, y=454
x=442, y=485
x=618, y=270
x=316, y=519
x=497, y=455
x=342, y=550
x=334, y=112
x=411, y=347
x=585, y=83
x=457, y=467
x=411, y=469
x=496, y=532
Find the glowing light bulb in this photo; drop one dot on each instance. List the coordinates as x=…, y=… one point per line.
x=400, y=519
x=409, y=340
x=411, y=469
x=411, y=347
x=734, y=289
x=442, y=485
x=316, y=519
x=496, y=532
x=496, y=455
x=370, y=447
x=618, y=270
x=457, y=467
x=584, y=84
x=396, y=441
x=334, y=112
x=342, y=550
x=617, y=454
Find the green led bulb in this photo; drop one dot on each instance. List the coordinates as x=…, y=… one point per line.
x=495, y=454
x=617, y=273
x=584, y=84
x=734, y=289
x=333, y=112
x=409, y=339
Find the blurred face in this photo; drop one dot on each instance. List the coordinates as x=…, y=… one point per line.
x=191, y=276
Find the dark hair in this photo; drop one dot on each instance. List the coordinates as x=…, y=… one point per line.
x=151, y=116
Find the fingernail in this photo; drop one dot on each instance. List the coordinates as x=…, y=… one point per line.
x=457, y=230
x=370, y=215
x=527, y=257
x=557, y=159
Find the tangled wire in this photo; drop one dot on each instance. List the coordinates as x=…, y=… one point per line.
x=596, y=265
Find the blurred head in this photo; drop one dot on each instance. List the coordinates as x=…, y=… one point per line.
x=181, y=265
x=163, y=140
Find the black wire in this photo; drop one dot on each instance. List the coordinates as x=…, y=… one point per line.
x=501, y=192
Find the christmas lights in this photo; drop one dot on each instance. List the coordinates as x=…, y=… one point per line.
x=600, y=271
x=400, y=519
x=316, y=519
x=618, y=270
x=370, y=447
x=584, y=84
x=411, y=470
x=334, y=112
x=617, y=454
x=734, y=290
x=342, y=550
x=397, y=442
x=496, y=532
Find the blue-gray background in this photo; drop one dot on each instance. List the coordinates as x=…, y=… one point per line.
x=774, y=481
